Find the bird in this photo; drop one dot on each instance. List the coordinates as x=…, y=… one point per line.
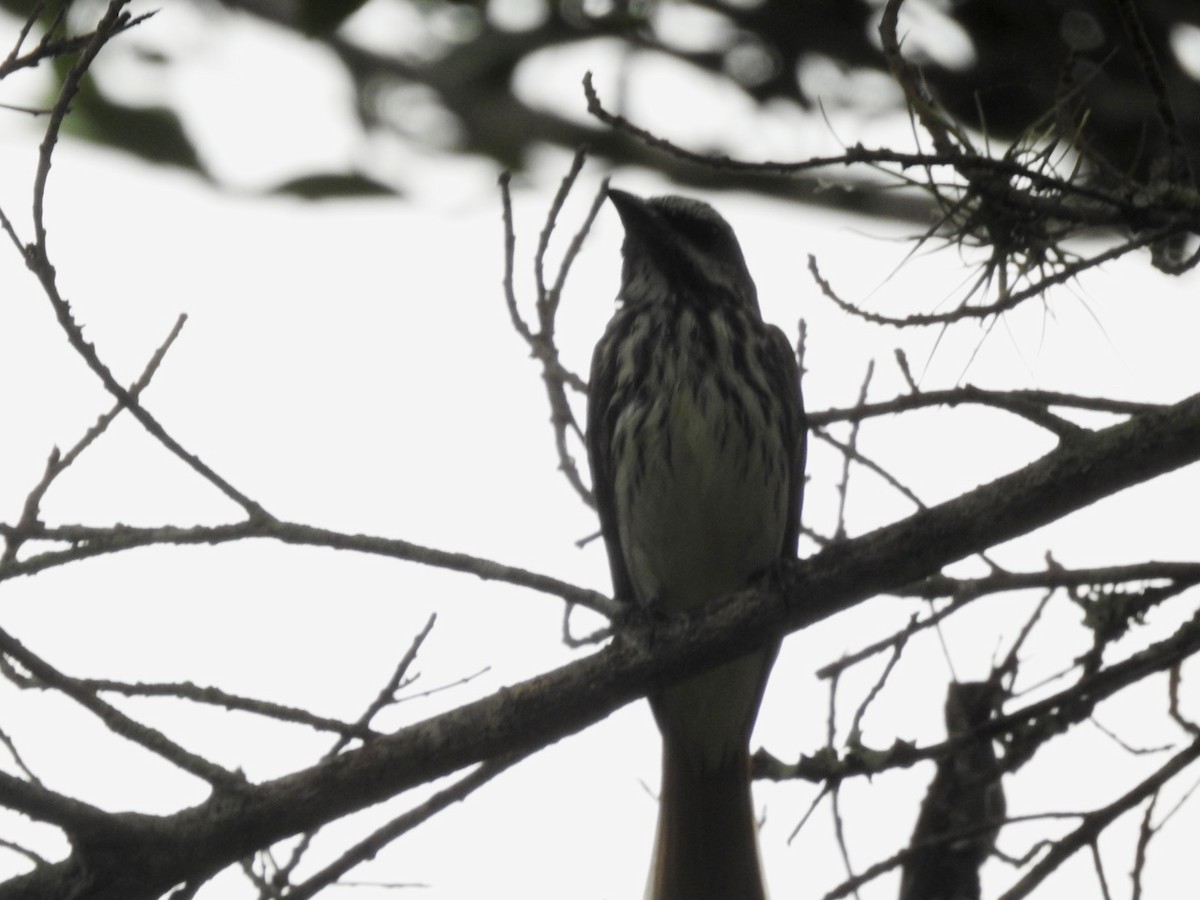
x=696, y=438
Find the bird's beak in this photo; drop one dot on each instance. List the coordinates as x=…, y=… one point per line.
x=635, y=214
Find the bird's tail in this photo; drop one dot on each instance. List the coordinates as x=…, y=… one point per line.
x=707, y=843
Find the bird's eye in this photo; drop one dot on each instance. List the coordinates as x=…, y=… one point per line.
x=703, y=233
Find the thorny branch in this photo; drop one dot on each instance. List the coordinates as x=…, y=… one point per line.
x=1024, y=207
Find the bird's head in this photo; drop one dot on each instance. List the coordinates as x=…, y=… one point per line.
x=681, y=249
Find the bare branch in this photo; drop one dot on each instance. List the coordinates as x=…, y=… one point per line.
x=850, y=450
x=44, y=805
x=964, y=590
x=216, y=697
x=57, y=464
x=1145, y=834
x=366, y=849
x=88, y=542
x=37, y=258
x=34, y=858
x=1173, y=683
x=851, y=453
x=555, y=376
x=387, y=695
x=7, y=743
x=1095, y=822
x=116, y=721
x=1033, y=405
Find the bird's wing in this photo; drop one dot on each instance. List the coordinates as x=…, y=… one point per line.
x=601, y=422
x=795, y=425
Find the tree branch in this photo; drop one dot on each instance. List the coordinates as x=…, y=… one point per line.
x=149, y=854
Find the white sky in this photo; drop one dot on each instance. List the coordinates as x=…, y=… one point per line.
x=351, y=365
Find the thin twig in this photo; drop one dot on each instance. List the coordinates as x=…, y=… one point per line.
x=37, y=258
x=116, y=721
x=7, y=743
x=214, y=696
x=856, y=722
x=367, y=848
x=387, y=695
x=850, y=451
x=88, y=542
x=57, y=464
x=1095, y=822
x=1146, y=832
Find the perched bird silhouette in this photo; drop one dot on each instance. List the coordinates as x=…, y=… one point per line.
x=696, y=439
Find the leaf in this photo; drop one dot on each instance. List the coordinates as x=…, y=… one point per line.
x=334, y=185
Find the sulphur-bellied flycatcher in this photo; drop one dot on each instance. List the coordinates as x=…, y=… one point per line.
x=696, y=438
